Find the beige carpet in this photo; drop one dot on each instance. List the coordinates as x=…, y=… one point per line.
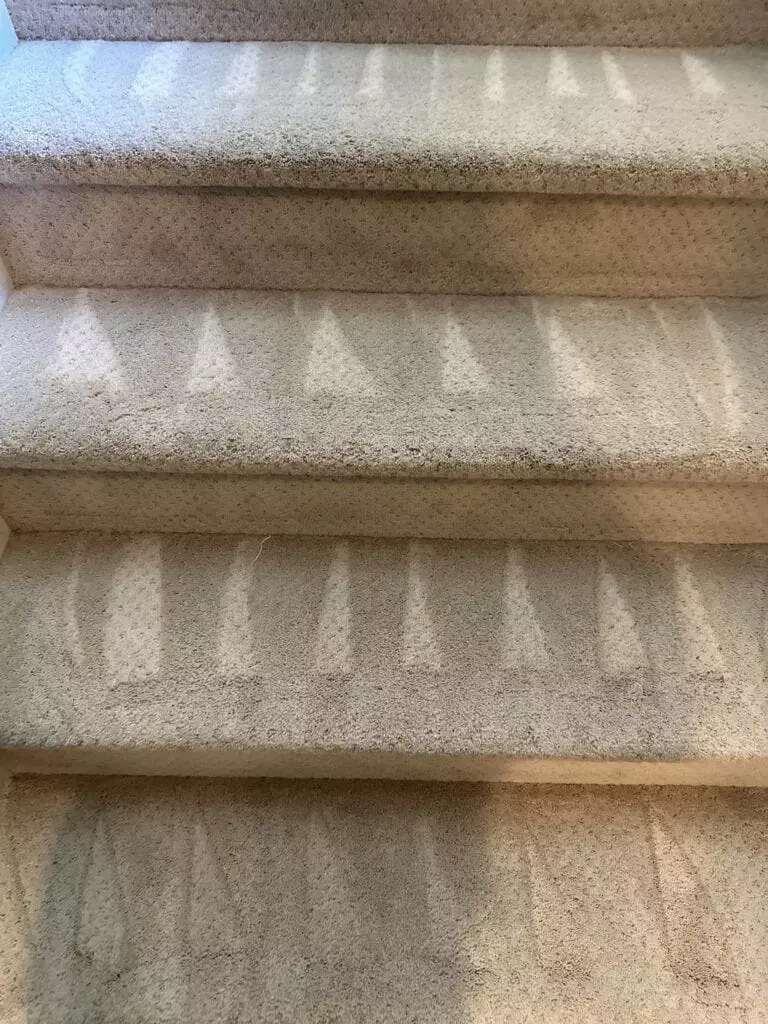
x=568, y=120
x=397, y=169
x=390, y=656
x=516, y=294
x=382, y=386
x=475, y=243
x=537, y=22
x=171, y=901
x=508, y=417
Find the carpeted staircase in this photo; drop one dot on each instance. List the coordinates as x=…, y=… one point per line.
x=384, y=451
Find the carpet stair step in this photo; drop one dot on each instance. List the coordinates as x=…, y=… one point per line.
x=645, y=122
x=388, y=415
x=168, y=900
x=383, y=422
x=554, y=22
x=192, y=654
x=402, y=168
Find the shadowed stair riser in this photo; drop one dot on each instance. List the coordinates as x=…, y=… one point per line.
x=358, y=656
x=389, y=242
x=396, y=766
x=526, y=510
x=531, y=22
x=172, y=900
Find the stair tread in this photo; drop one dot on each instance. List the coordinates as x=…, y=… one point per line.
x=349, y=384
x=327, y=115
x=264, y=901
x=210, y=644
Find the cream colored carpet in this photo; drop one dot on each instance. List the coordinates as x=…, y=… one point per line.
x=174, y=901
x=359, y=657
x=537, y=22
x=567, y=120
x=509, y=417
x=515, y=294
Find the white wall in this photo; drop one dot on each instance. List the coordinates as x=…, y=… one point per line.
x=5, y=291
x=7, y=42
x=5, y=284
x=7, y=35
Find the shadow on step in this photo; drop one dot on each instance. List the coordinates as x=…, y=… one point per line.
x=239, y=902
x=265, y=901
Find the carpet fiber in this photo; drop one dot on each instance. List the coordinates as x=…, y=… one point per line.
x=281, y=648
x=536, y=22
x=471, y=243
x=174, y=900
x=627, y=122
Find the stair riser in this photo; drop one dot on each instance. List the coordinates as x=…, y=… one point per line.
x=311, y=764
x=388, y=242
x=585, y=22
x=525, y=510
